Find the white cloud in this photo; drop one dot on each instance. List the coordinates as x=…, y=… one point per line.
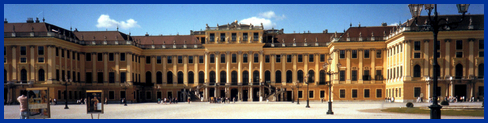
x=104, y=21
x=271, y=14
x=257, y=22
x=394, y=24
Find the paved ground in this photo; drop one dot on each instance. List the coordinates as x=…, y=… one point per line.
x=241, y=110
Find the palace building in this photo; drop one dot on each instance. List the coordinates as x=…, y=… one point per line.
x=247, y=62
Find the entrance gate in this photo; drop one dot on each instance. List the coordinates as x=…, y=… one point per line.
x=244, y=95
x=460, y=90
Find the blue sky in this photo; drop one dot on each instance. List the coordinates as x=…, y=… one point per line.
x=169, y=19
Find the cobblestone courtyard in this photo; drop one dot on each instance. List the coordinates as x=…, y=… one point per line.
x=240, y=110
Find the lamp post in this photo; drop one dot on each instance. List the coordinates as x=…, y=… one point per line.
x=415, y=9
x=125, y=87
x=330, y=112
x=66, y=94
x=308, y=93
x=298, y=88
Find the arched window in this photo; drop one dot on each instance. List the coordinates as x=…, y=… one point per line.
x=180, y=77
x=245, y=77
x=267, y=76
x=190, y=77
x=481, y=70
x=255, y=76
x=416, y=71
x=41, y=75
x=234, y=77
x=23, y=75
x=169, y=77
x=289, y=76
x=201, y=77
x=212, y=76
x=223, y=77
x=148, y=77
x=311, y=75
x=278, y=76
x=459, y=71
x=300, y=75
x=322, y=76
x=159, y=77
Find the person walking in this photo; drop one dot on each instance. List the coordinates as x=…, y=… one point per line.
x=24, y=112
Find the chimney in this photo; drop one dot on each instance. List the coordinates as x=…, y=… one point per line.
x=383, y=24
x=146, y=34
x=359, y=25
x=37, y=20
x=30, y=20
x=326, y=31
x=5, y=21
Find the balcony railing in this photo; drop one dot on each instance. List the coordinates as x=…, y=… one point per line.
x=312, y=44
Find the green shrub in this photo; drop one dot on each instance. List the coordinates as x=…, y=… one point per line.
x=444, y=103
x=409, y=105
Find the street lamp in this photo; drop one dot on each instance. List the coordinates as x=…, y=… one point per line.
x=66, y=94
x=415, y=9
x=125, y=87
x=308, y=93
x=330, y=81
x=298, y=89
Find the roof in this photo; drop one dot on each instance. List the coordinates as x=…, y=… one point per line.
x=158, y=40
x=101, y=35
x=41, y=27
x=300, y=38
x=376, y=31
x=476, y=20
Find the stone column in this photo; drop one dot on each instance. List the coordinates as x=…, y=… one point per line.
x=360, y=69
x=261, y=71
x=105, y=67
x=451, y=88
x=273, y=72
x=426, y=58
x=305, y=65
x=283, y=69
x=471, y=59
x=142, y=68
x=373, y=64
x=217, y=70
x=165, y=74
x=250, y=94
x=49, y=59
x=239, y=94
x=153, y=69
x=348, y=65
x=175, y=70
x=250, y=60
x=206, y=69
x=294, y=60
x=239, y=70
x=32, y=73
x=129, y=69
x=117, y=69
x=428, y=90
x=407, y=61
x=227, y=61
x=196, y=72
x=14, y=63
x=185, y=70
x=94, y=67
x=317, y=68
x=334, y=67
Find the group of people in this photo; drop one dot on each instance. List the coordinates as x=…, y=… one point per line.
x=221, y=100
x=390, y=99
x=169, y=100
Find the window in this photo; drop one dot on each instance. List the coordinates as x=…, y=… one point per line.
x=342, y=54
x=180, y=77
x=40, y=59
x=481, y=70
x=378, y=93
x=481, y=54
x=244, y=58
x=74, y=55
x=310, y=58
x=354, y=75
x=212, y=58
x=4, y=50
x=342, y=75
x=366, y=53
x=278, y=76
x=100, y=57
x=256, y=58
x=289, y=76
x=417, y=45
x=222, y=58
x=100, y=77
x=201, y=77
x=88, y=77
x=212, y=37
x=233, y=36
x=366, y=93
x=378, y=75
x=200, y=59
x=278, y=58
x=57, y=51
x=416, y=71
x=110, y=57
x=481, y=44
x=400, y=92
x=123, y=76
x=74, y=76
x=23, y=60
x=212, y=76
x=342, y=93
x=300, y=75
x=88, y=56
x=300, y=58
x=459, y=54
x=416, y=91
x=378, y=53
x=234, y=77
x=459, y=44
x=416, y=55
x=78, y=56
x=222, y=37
x=169, y=77
x=322, y=94
x=190, y=77
x=190, y=59
x=223, y=77
x=180, y=59
x=438, y=45
x=354, y=93
x=245, y=77
x=122, y=56
x=310, y=94
x=41, y=75
x=244, y=35
x=366, y=76
x=322, y=57
x=67, y=54
x=148, y=59
x=170, y=60
x=111, y=77
x=266, y=58
x=354, y=54
x=68, y=74
x=40, y=50
x=234, y=58
x=267, y=76
x=322, y=76
x=256, y=36
x=300, y=94
x=288, y=58
x=23, y=50
x=459, y=71
x=158, y=59
x=62, y=52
